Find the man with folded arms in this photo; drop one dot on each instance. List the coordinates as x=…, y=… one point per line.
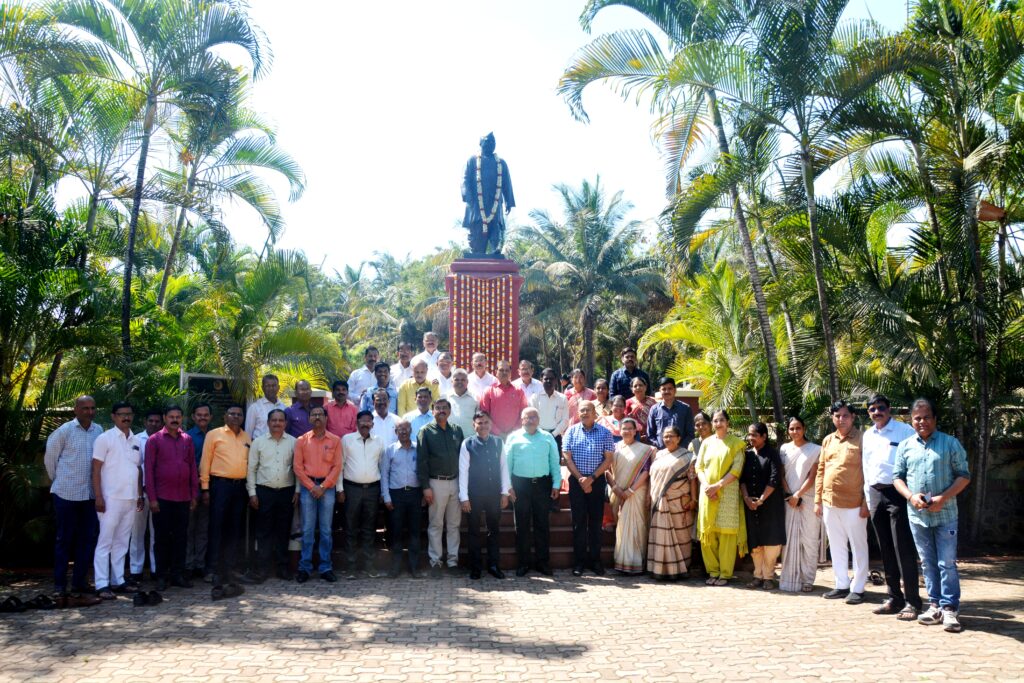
x=117, y=484
x=483, y=490
x=839, y=500
x=533, y=458
x=270, y=483
x=889, y=510
x=172, y=488
x=403, y=497
x=318, y=463
x=361, y=493
x=437, y=465
x=222, y=474
x=503, y=402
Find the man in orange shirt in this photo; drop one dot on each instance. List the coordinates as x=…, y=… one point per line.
x=318, y=462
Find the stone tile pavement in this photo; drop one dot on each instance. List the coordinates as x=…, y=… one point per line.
x=534, y=628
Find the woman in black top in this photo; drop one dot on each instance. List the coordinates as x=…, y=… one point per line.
x=761, y=487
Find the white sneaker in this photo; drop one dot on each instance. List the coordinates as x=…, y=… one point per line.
x=931, y=616
x=951, y=621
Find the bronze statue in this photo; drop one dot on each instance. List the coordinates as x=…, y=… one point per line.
x=486, y=187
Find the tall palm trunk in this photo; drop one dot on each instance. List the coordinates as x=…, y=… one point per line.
x=786, y=315
x=178, y=227
x=588, y=324
x=133, y=225
x=819, y=269
x=751, y=262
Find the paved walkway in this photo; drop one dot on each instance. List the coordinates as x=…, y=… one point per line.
x=535, y=628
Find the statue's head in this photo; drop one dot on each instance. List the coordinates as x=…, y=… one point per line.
x=487, y=144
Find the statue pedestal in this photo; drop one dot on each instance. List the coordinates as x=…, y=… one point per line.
x=483, y=310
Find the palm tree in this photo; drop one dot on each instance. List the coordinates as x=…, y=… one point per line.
x=220, y=144
x=167, y=49
x=593, y=256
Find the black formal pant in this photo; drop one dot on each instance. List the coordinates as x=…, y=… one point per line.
x=587, y=511
x=228, y=499
x=170, y=526
x=533, y=525
x=406, y=517
x=490, y=508
x=273, y=526
x=78, y=528
x=361, y=502
x=899, y=554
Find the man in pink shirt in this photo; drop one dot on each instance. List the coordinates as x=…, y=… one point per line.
x=503, y=402
x=341, y=412
x=318, y=462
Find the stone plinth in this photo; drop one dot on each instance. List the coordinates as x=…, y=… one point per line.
x=483, y=310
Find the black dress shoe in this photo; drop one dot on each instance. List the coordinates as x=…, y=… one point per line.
x=415, y=574
x=161, y=585
x=181, y=582
x=329, y=577
x=250, y=578
x=474, y=574
x=394, y=572
x=302, y=576
x=522, y=571
x=545, y=569
x=836, y=593
x=577, y=570
x=495, y=572
x=598, y=569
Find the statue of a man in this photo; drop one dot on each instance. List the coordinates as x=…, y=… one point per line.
x=486, y=188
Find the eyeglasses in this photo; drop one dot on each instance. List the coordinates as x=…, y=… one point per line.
x=878, y=409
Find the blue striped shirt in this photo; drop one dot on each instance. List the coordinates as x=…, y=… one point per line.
x=931, y=467
x=68, y=460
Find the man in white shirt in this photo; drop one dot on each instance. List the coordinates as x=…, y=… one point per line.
x=402, y=370
x=363, y=378
x=384, y=422
x=480, y=380
x=143, y=519
x=552, y=406
x=463, y=403
x=442, y=374
x=529, y=386
x=484, y=485
x=430, y=352
x=117, y=484
x=361, y=478
x=256, y=415
x=888, y=510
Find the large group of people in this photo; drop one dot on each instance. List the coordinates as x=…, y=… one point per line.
x=685, y=494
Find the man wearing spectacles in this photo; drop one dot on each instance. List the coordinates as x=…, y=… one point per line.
x=222, y=474
x=889, y=510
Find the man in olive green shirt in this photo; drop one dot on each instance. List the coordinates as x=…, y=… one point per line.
x=437, y=465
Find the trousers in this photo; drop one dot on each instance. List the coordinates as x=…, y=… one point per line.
x=445, y=515
x=406, y=517
x=896, y=543
x=533, y=522
x=77, y=527
x=587, y=510
x=115, y=526
x=488, y=507
x=937, y=547
x=273, y=526
x=765, y=558
x=846, y=526
x=317, y=515
x=198, y=531
x=228, y=498
x=142, y=523
x=719, y=555
x=171, y=526
x=361, y=503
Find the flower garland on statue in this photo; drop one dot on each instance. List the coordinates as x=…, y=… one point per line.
x=485, y=217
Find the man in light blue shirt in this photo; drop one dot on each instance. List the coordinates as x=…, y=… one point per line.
x=421, y=417
x=888, y=510
x=403, y=497
x=68, y=461
x=930, y=470
x=533, y=463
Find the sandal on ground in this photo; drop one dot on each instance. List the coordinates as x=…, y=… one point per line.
x=808, y=588
x=710, y=581
x=756, y=583
x=768, y=585
x=721, y=582
x=41, y=601
x=106, y=594
x=876, y=578
x=908, y=613
x=12, y=605
x=233, y=590
x=217, y=593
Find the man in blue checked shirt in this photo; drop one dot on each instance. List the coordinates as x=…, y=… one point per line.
x=588, y=449
x=930, y=470
x=403, y=497
x=68, y=461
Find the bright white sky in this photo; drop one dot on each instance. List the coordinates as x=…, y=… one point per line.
x=383, y=103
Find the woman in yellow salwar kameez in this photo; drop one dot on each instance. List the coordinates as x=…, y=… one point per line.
x=720, y=525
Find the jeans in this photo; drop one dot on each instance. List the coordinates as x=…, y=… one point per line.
x=171, y=526
x=937, y=547
x=587, y=510
x=77, y=529
x=316, y=514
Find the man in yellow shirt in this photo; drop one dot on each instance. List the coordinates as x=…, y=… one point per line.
x=407, y=392
x=222, y=474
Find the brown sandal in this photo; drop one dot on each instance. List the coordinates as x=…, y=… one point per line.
x=908, y=613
